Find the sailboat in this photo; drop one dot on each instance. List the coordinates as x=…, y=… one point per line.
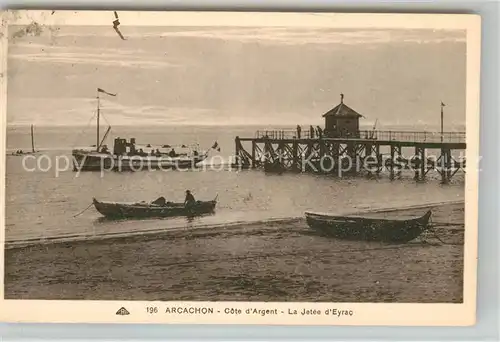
x=23, y=153
x=127, y=155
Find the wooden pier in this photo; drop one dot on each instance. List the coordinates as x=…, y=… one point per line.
x=368, y=152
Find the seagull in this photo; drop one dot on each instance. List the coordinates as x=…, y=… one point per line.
x=116, y=22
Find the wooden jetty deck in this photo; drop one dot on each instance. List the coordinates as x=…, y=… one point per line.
x=363, y=152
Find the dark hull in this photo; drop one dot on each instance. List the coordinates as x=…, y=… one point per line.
x=21, y=154
x=274, y=167
x=89, y=162
x=369, y=229
x=140, y=211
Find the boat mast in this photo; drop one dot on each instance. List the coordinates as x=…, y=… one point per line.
x=32, y=140
x=98, y=114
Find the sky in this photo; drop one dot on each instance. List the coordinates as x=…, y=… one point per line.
x=234, y=75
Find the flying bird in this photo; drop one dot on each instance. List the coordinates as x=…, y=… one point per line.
x=116, y=22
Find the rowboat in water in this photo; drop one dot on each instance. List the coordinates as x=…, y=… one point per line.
x=369, y=228
x=116, y=210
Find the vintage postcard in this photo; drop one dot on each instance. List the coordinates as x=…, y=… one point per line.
x=239, y=168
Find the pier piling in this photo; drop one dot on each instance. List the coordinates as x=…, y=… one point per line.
x=283, y=151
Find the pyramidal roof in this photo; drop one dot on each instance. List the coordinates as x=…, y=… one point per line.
x=342, y=110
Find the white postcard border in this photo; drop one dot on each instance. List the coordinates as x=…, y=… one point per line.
x=66, y=311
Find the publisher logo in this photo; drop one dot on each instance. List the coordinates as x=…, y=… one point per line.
x=122, y=312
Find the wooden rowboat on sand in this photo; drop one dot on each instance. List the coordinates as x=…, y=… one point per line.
x=369, y=228
x=115, y=210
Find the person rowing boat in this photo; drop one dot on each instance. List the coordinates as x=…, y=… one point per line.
x=189, y=201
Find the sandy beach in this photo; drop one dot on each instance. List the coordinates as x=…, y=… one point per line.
x=280, y=260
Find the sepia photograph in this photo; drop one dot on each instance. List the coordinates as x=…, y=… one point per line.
x=219, y=158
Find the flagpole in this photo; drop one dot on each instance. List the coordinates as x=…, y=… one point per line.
x=98, y=114
x=442, y=119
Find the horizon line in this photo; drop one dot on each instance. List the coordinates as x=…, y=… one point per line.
x=153, y=124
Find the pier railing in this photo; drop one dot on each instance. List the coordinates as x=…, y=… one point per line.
x=413, y=136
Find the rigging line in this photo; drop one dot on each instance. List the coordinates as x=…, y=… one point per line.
x=434, y=233
x=84, y=210
x=82, y=131
x=104, y=116
x=101, y=113
x=107, y=130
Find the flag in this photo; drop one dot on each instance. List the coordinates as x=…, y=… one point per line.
x=216, y=147
x=442, y=104
x=105, y=92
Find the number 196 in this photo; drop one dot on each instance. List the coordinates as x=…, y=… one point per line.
x=152, y=309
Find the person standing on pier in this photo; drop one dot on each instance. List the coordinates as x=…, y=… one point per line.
x=320, y=132
x=298, y=131
x=311, y=132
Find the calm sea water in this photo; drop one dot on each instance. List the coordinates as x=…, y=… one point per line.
x=42, y=204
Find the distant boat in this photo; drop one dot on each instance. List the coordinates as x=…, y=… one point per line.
x=369, y=229
x=23, y=153
x=129, y=156
x=97, y=161
x=116, y=210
